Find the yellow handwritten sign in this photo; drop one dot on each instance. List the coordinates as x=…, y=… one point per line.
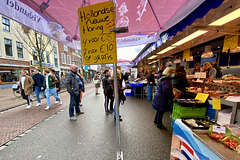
x=230, y=42
x=216, y=103
x=202, y=96
x=186, y=54
x=98, y=44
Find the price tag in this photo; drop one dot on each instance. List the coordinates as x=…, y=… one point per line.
x=202, y=96
x=219, y=129
x=216, y=103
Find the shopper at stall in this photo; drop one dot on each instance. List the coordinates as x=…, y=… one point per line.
x=108, y=92
x=180, y=80
x=125, y=77
x=97, y=79
x=163, y=96
x=218, y=69
x=150, y=84
x=26, y=83
x=210, y=71
x=120, y=89
x=197, y=68
x=140, y=74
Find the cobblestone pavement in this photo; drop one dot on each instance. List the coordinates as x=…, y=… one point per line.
x=15, y=121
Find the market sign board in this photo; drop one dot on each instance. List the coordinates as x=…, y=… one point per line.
x=230, y=42
x=98, y=43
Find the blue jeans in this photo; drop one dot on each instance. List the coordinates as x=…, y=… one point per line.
x=149, y=95
x=37, y=92
x=74, y=102
x=52, y=91
x=115, y=108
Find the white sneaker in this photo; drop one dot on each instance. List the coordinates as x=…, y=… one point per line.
x=73, y=118
x=60, y=102
x=38, y=104
x=29, y=106
x=56, y=102
x=47, y=108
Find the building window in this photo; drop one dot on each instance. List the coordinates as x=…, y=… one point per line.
x=56, y=62
x=9, y=75
x=34, y=54
x=63, y=58
x=65, y=48
x=8, y=47
x=20, y=50
x=47, y=56
x=76, y=51
x=55, y=50
x=69, y=59
x=6, y=24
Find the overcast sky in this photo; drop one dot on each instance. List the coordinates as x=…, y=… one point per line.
x=129, y=53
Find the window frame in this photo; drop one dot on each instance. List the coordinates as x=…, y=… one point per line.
x=21, y=47
x=47, y=57
x=6, y=48
x=65, y=48
x=56, y=62
x=68, y=59
x=5, y=24
x=64, y=58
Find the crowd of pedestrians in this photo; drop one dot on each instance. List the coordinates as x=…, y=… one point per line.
x=45, y=85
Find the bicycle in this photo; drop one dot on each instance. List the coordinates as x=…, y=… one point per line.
x=17, y=92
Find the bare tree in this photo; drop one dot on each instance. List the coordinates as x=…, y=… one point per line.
x=35, y=44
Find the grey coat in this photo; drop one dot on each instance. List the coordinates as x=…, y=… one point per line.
x=71, y=83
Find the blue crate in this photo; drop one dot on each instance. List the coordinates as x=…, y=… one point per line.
x=128, y=93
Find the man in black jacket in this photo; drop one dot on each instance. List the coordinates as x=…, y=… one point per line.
x=108, y=91
x=150, y=84
x=38, y=85
x=74, y=84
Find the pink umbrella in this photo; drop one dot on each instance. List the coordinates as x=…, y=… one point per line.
x=58, y=19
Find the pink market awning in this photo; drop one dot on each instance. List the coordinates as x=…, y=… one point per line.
x=146, y=19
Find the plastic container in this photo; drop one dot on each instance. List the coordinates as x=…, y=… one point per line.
x=189, y=109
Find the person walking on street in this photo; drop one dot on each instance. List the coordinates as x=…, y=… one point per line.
x=50, y=83
x=58, y=87
x=150, y=84
x=74, y=85
x=120, y=89
x=81, y=94
x=108, y=91
x=163, y=96
x=26, y=83
x=97, y=79
x=38, y=85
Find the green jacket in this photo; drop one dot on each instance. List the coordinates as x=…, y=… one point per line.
x=51, y=82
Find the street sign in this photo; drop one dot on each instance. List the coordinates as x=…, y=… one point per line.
x=98, y=43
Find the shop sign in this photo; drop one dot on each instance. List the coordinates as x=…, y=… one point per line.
x=44, y=64
x=98, y=43
x=186, y=54
x=230, y=42
x=155, y=45
x=8, y=61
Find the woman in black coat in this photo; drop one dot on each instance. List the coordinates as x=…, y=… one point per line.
x=180, y=80
x=163, y=96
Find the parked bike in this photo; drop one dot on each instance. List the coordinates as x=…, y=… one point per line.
x=17, y=92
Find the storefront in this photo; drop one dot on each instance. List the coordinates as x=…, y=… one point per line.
x=10, y=71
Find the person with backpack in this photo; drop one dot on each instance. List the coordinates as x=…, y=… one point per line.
x=108, y=92
x=50, y=85
x=163, y=96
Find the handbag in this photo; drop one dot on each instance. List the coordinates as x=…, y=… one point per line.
x=122, y=96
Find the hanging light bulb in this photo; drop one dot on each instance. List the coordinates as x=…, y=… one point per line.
x=177, y=60
x=190, y=58
x=207, y=53
x=169, y=63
